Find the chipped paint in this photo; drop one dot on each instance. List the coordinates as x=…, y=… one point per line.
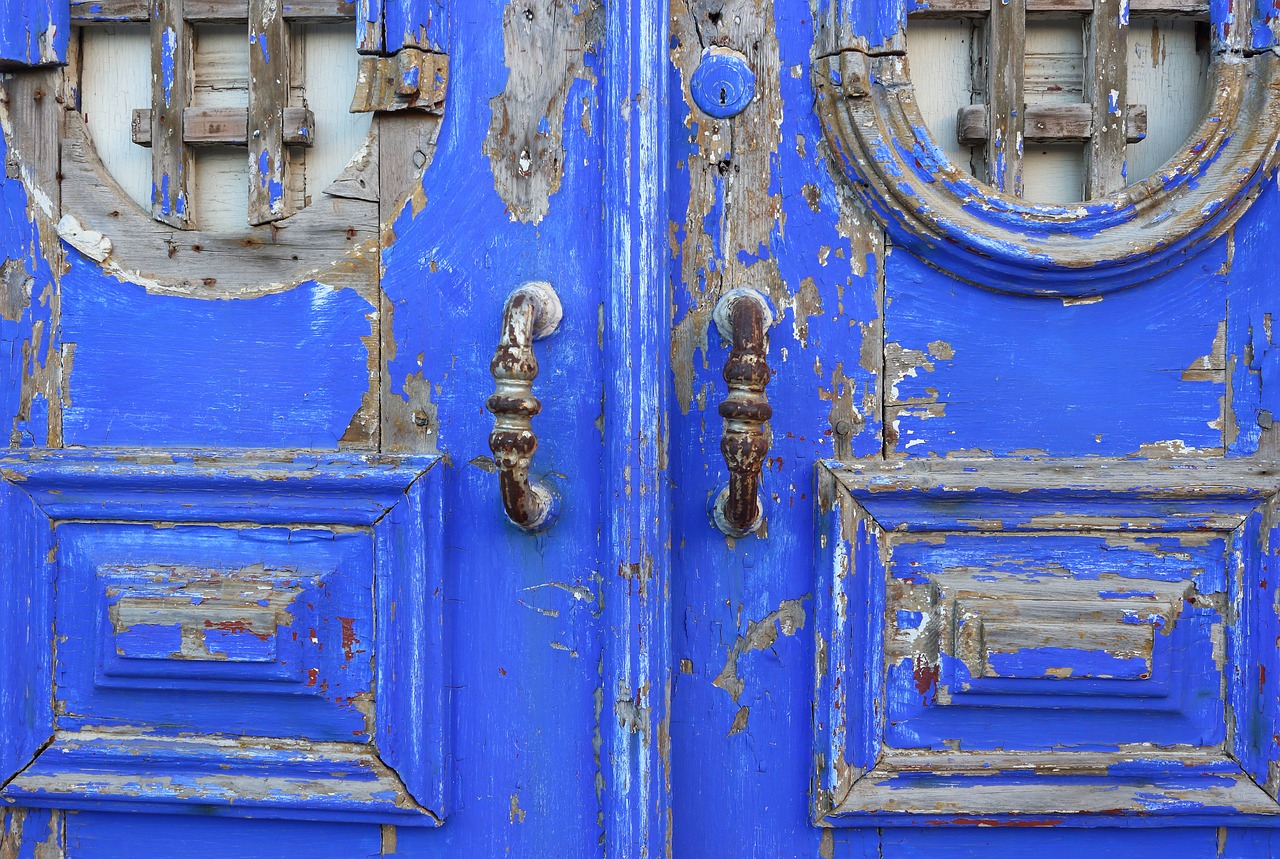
x=545, y=42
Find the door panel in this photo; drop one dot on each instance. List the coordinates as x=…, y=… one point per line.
x=304, y=370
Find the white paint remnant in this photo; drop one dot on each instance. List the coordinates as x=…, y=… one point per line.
x=91, y=243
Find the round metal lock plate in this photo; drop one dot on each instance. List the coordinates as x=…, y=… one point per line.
x=723, y=84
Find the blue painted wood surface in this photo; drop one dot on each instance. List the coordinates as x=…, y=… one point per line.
x=34, y=33
x=629, y=679
x=387, y=26
x=287, y=370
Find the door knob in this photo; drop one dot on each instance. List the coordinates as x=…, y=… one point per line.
x=532, y=312
x=743, y=317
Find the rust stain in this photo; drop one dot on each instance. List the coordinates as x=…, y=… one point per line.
x=926, y=677
x=349, y=640
x=237, y=626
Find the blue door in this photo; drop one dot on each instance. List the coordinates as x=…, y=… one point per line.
x=574, y=429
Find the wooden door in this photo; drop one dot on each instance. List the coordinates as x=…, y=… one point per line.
x=637, y=430
x=260, y=595
x=1027, y=606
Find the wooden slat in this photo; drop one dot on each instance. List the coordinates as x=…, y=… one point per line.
x=369, y=27
x=227, y=126
x=1106, y=82
x=208, y=11
x=1050, y=123
x=268, y=96
x=1006, y=62
x=940, y=8
x=171, y=84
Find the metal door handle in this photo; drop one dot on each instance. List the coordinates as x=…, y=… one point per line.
x=743, y=317
x=532, y=312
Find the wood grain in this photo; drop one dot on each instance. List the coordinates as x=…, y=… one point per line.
x=1106, y=82
x=1006, y=119
x=1049, y=123
x=207, y=11
x=227, y=126
x=940, y=8
x=172, y=46
x=269, y=73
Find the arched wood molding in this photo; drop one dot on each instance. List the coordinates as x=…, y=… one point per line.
x=334, y=240
x=935, y=208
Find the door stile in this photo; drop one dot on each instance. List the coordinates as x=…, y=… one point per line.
x=636, y=707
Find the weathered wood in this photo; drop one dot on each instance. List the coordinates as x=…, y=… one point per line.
x=87, y=12
x=890, y=555
x=940, y=8
x=227, y=126
x=269, y=72
x=369, y=27
x=1106, y=81
x=1025, y=248
x=406, y=147
x=325, y=240
x=544, y=40
x=171, y=87
x=1006, y=119
x=1049, y=123
x=33, y=103
x=411, y=80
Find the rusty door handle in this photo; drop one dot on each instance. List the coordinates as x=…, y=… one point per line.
x=743, y=317
x=532, y=312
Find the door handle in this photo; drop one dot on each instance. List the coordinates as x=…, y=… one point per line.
x=743, y=317
x=532, y=312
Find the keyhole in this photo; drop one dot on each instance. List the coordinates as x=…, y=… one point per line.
x=724, y=96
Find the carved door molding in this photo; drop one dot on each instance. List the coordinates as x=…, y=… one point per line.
x=984, y=232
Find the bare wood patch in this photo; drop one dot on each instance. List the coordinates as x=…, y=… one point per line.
x=172, y=47
x=1050, y=123
x=227, y=126
x=268, y=94
x=544, y=42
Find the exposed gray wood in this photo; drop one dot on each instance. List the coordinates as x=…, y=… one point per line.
x=411, y=80
x=1140, y=234
x=269, y=72
x=227, y=126
x=172, y=47
x=545, y=45
x=207, y=11
x=939, y=8
x=34, y=112
x=1006, y=60
x=333, y=240
x=406, y=147
x=1050, y=123
x=1106, y=82
x=1193, y=479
